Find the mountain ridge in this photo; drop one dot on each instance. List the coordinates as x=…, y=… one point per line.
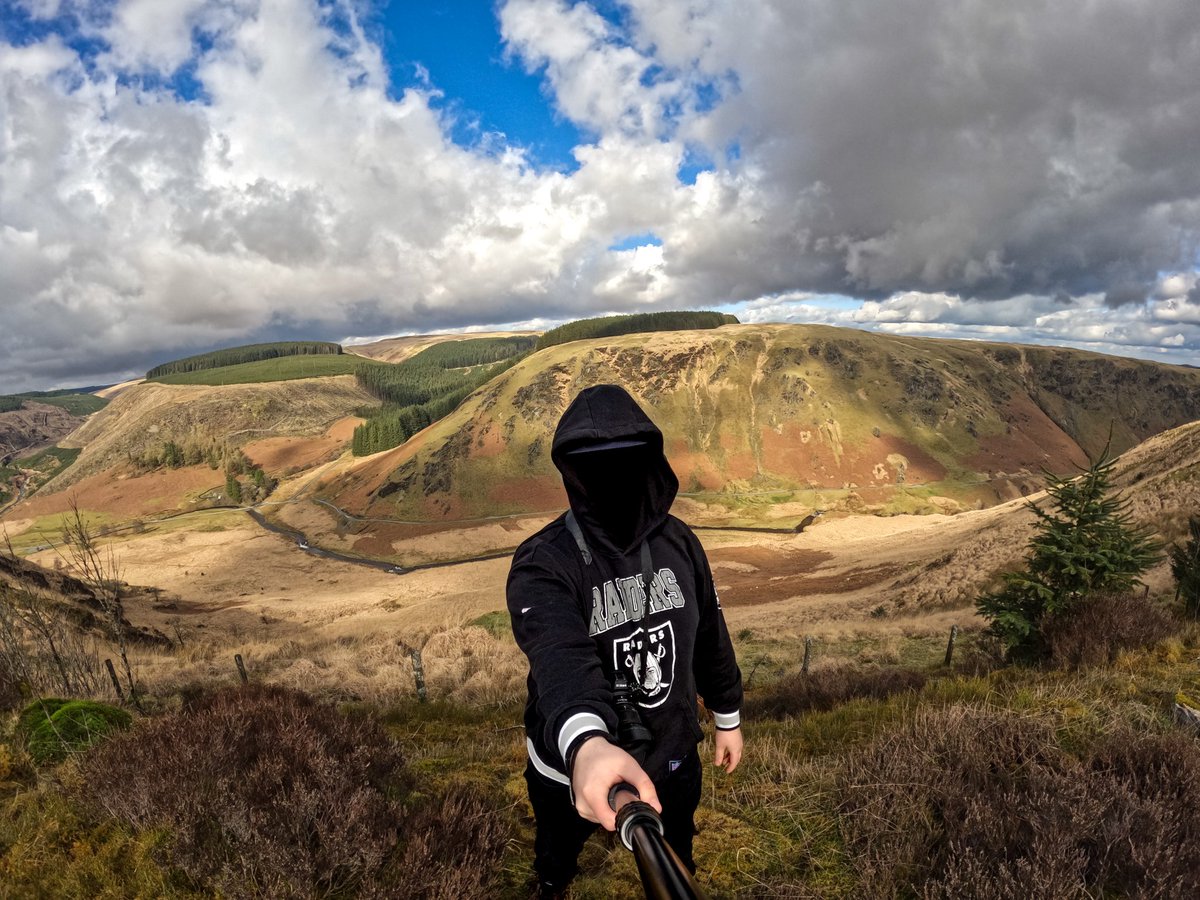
x=789, y=408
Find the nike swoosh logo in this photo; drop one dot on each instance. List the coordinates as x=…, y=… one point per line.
x=526, y=609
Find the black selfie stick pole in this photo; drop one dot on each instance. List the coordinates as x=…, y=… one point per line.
x=664, y=876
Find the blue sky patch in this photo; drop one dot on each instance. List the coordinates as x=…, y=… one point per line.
x=647, y=238
x=458, y=44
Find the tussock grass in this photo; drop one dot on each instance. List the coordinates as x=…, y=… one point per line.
x=467, y=664
x=829, y=687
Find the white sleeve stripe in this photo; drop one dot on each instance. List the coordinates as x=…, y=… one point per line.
x=728, y=720
x=550, y=772
x=577, y=725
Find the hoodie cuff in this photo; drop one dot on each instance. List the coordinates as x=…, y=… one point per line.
x=576, y=727
x=728, y=721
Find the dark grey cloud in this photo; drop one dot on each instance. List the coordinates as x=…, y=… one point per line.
x=1125, y=295
x=988, y=149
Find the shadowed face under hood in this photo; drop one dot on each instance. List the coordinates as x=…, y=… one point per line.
x=610, y=454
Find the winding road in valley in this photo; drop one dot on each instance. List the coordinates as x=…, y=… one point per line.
x=302, y=543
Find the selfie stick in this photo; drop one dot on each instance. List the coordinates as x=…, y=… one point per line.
x=664, y=876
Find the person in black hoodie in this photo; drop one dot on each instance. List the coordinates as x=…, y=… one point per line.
x=617, y=591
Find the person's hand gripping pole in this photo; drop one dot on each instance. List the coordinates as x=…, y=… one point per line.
x=600, y=766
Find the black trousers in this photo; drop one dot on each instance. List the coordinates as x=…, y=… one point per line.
x=561, y=832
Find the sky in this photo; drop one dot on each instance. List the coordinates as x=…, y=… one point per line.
x=178, y=176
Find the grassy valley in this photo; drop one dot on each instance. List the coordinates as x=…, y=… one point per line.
x=884, y=772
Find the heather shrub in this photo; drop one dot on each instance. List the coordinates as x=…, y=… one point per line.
x=823, y=689
x=54, y=729
x=1102, y=626
x=10, y=686
x=266, y=792
x=983, y=803
x=453, y=848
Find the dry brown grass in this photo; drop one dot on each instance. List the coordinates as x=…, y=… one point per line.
x=828, y=687
x=461, y=663
x=148, y=414
x=986, y=803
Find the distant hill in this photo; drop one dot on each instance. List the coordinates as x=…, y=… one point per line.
x=146, y=416
x=76, y=401
x=398, y=349
x=248, y=353
x=262, y=371
x=212, y=398
x=834, y=415
x=426, y=386
x=35, y=424
x=638, y=323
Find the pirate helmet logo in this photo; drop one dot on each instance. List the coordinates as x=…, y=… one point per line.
x=647, y=658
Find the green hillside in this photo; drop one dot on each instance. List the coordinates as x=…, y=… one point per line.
x=422, y=389
x=233, y=356
x=284, y=368
x=638, y=323
x=817, y=414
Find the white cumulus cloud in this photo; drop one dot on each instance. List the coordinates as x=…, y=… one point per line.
x=961, y=167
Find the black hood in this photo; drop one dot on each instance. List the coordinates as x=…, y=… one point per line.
x=618, y=481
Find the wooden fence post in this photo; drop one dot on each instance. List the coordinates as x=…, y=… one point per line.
x=807, y=654
x=950, y=645
x=112, y=673
x=237, y=658
x=418, y=673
